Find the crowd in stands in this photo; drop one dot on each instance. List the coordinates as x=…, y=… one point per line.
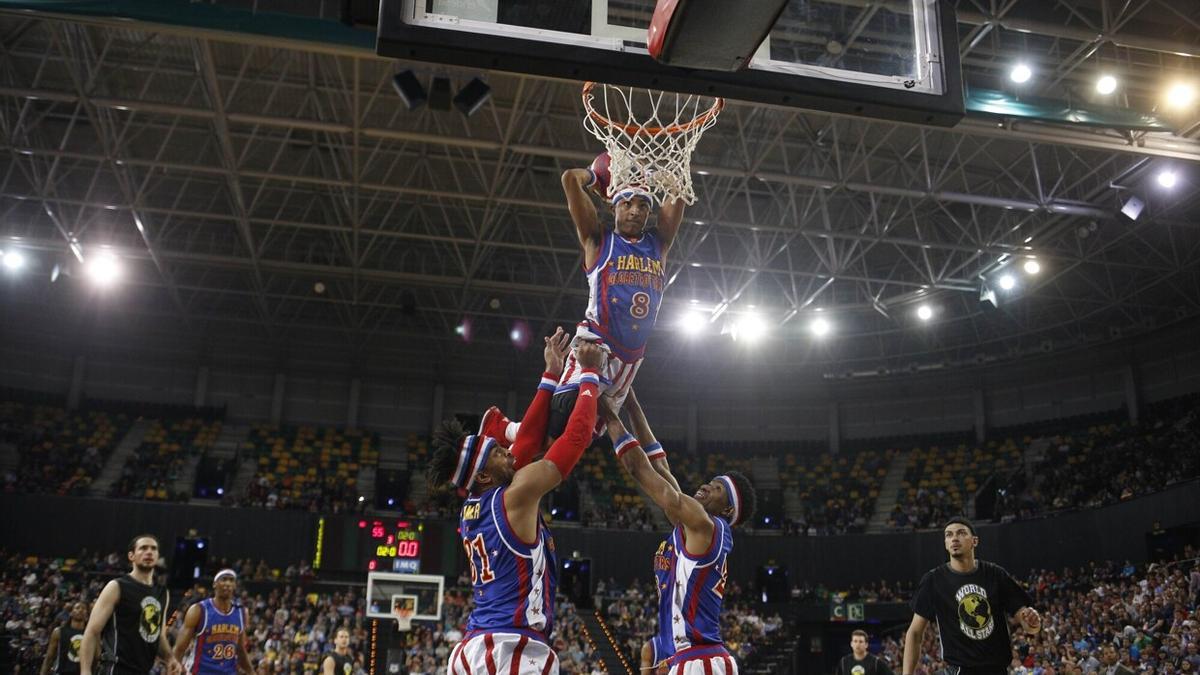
x=835, y=494
x=1110, y=462
x=939, y=481
x=60, y=452
x=308, y=468
x=822, y=493
x=155, y=466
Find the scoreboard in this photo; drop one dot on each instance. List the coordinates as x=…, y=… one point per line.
x=390, y=545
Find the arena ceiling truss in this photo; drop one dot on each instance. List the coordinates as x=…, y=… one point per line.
x=235, y=173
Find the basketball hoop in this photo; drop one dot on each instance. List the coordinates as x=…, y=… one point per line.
x=649, y=136
x=404, y=617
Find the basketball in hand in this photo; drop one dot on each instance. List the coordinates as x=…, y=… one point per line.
x=600, y=168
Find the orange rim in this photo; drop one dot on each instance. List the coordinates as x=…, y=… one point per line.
x=633, y=129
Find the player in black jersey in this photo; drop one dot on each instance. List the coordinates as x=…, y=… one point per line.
x=970, y=600
x=128, y=620
x=62, y=653
x=340, y=661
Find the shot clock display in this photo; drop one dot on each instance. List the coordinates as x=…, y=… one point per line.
x=391, y=545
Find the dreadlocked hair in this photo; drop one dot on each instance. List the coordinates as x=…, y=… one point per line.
x=445, y=443
x=746, y=491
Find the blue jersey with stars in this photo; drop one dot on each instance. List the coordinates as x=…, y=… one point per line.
x=513, y=581
x=691, y=590
x=625, y=289
x=215, y=649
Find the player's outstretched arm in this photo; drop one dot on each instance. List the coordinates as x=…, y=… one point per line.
x=912, y=644
x=583, y=212
x=670, y=216
x=101, y=612
x=187, y=632
x=327, y=666
x=679, y=508
x=523, y=496
x=641, y=431
x=51, y=652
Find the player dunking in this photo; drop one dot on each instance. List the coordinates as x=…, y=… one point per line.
x=969, y=599
x=625, y=269
x=127, y=619
x=62, y=653
x=340, y=661
x=690, y=564
x=510, y=549
x=218, y=626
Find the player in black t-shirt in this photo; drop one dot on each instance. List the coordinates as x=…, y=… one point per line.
x=128, y=620
x=340, y=661
x=859, y=662
x=970, y=600
x=62, y=653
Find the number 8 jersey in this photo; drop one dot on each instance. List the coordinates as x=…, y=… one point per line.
x=513, y=582
x=625, y=288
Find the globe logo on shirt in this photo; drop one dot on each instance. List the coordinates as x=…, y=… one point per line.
x=974, y=612
x=73, y=648
x=150, y=620
x=858, y=670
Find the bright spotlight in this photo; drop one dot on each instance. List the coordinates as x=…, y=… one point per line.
x=820, y=327
x=1007, y=282
x=1166, y=178
x=1181, y=95
x=691, y=323
x=924, y=312
x=1107, y=84
x=750, y=328
x=104, y=269
x=1020, y=73
x=520, y=334
x=1032, y=267
x=13, y=260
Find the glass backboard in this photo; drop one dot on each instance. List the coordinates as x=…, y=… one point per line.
x=896, y=59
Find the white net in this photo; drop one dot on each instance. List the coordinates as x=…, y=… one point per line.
x=649, y=135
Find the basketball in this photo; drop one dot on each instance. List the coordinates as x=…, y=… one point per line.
x=599, y=169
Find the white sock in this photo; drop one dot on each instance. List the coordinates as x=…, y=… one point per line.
x=510, y=433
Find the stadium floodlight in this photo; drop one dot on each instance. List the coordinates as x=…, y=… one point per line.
x=924, y=312
x=104, y=269
x=13, y=260
x=749, y=327
x=1106, y=85
x=1020, y=73
x=1007, y=282
x=1181, y=95
x=692, y=323
x=1167, y=178
x=820, y=327
x=1032, y=266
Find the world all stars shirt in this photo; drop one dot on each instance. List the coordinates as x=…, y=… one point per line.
x=971, y=611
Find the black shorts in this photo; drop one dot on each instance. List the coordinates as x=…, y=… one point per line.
x=561, y=406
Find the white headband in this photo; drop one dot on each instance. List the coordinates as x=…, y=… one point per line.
x=735, y=498
x=224, y=573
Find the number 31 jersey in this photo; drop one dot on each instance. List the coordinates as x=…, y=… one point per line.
x=513, y=582
x=625, y=288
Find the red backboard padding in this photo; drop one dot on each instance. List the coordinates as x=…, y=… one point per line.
x=710, y=34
